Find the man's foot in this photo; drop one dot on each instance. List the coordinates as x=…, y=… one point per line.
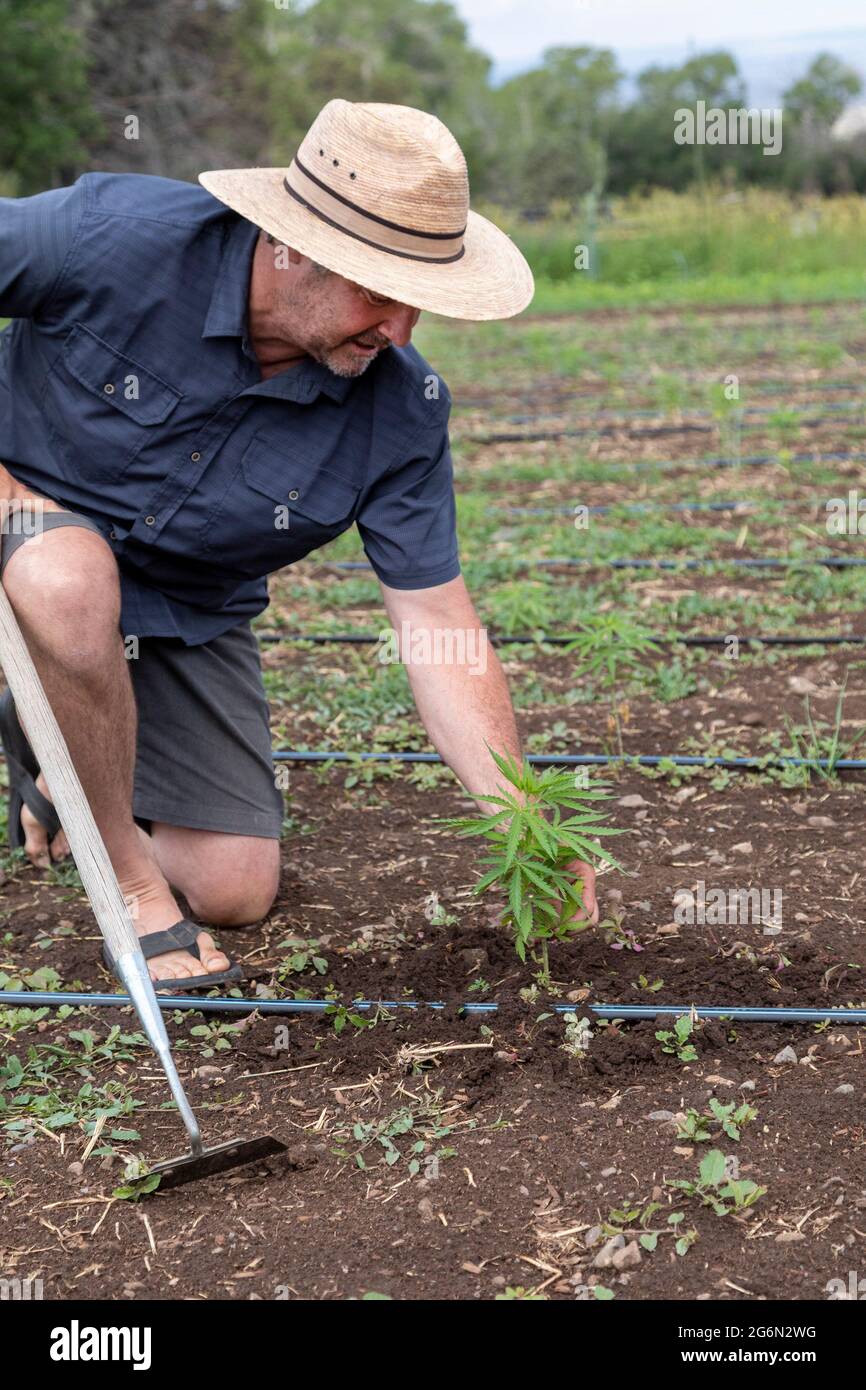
x=149, y=898
x=153, y=909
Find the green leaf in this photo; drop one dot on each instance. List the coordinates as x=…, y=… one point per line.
x=712, y=1169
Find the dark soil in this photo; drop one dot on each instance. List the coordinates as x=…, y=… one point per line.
x=545, y=1145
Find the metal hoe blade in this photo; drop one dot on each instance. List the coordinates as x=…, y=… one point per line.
x=175, y=1171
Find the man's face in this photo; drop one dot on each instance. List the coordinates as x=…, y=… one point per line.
x=335, y=321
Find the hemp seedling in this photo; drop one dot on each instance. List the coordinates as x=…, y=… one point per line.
x=611, y=646
x=529, y=853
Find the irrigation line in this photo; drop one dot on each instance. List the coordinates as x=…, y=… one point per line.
x=644, y=432
x=556, y=640
x=750, y=460
x=293, y=755
x=223, y=1004
x=602, y=508
x=690, y=412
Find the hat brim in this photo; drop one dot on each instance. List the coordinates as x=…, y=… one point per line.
x=491, y=280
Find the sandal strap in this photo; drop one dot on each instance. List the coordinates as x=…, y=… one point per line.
x=181, y=937
x=41, y=807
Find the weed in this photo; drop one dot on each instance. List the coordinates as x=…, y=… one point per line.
x=678, y=1041
x=340, y=1016
x=303, y=957
x=731, y=1118
x=578, y=1036
x=716, y=1189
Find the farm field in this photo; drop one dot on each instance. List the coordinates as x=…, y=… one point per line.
x=444, y=1155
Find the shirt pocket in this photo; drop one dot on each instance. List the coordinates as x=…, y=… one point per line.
x=103, y=404
x=282, y=503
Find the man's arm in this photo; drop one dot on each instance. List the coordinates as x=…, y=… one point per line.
x=457, y=681
x=460, y=690
x=35, y=237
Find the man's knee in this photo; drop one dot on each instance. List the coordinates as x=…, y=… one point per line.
x=65, y=590
x=235, y=886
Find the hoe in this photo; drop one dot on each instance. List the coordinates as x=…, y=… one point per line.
x=109, y=906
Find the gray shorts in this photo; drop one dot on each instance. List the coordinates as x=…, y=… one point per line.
x=203, y=757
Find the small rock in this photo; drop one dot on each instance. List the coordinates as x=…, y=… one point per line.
x=685, y=1151
x=635, y=799
x=744, y=847
x=577, y=996
x=474, y=959
x=206, y=1073
x=844, y=1090
x=77, y=1168
x=607, y=1172
x=785, y=1237
x=604, y=1258
x=718, y=1080
x=747, y=1085
x=627, y=1258
x=801, y=685
x=821, y=822
x=787, y=1054
x=614, y=895
x=680, y=849
x=592, y=1236
x=684, y=794
x=752, y=718
x=425, y=1210
x=660, y=1115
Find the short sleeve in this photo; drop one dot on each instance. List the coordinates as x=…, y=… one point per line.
x=36, y=235
x=408, y=520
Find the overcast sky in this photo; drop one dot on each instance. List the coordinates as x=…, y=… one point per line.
x=513, y=30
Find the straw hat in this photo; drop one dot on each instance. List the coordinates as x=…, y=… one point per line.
x=380, y=195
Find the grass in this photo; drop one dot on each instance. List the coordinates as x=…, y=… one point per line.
x=668, y=248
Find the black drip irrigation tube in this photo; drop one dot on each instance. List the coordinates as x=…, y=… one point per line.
x=641, y=432
x=782, y=562
x=555, y=640
x=225, y=1004
x=638, y=508
x=294, y=755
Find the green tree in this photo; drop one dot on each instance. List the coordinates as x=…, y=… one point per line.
x=408, y=52
x=45, y=111
x=820, y=96
x=643, y=151
x=553, y=126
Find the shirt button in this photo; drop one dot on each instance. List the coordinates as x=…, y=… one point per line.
x=108, y=388
x=149, y=520
x=293, y=495
x=196, y=456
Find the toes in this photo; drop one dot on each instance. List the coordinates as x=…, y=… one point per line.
x=212, y=958
x=35, y=840
x=60, y=846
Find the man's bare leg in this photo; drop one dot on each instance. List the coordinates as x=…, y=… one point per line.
x=64, y=588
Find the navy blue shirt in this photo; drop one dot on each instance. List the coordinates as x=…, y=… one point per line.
x=130, y=393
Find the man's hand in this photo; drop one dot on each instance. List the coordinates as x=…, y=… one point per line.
x=586, y=873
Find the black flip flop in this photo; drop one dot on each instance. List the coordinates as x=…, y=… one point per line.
x=23, y=771
x=180, y=937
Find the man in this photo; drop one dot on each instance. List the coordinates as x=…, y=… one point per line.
x=199, y=387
